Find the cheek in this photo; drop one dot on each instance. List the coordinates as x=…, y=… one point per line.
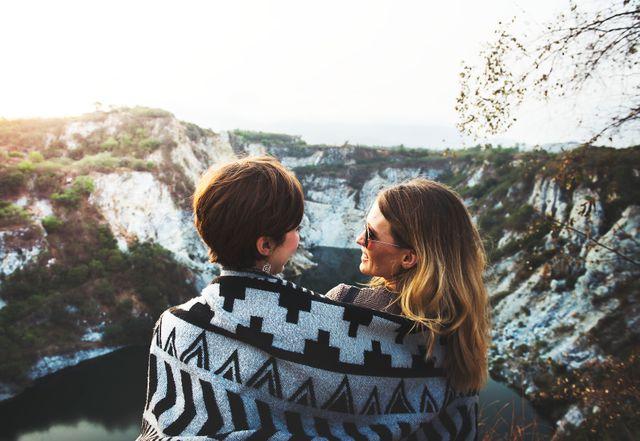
x=381, y=263
x=294, y=241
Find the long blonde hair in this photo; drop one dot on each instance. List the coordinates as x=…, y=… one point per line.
x=444, y=292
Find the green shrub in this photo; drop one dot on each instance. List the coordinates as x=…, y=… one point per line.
x=520, y=219
x=110, y=144
x=140, y=132
x=124, y=307
x=11, y=214
x=14, y=154
x=194, y=132
x=51, y=223
x=148, y=112
x=100, y=162
x=149, y=144
x=78, y=275
x=126, y=140
x=67, y=197
x=115, y=261
x=96, y=267
x=46, y=181
x=82, y=186
x=53, y=165
x=269, y=139
x=106, y=241
x=36, y=156
x=134, y=163
x=26, y=166
x=105, y=292
x=11, y=181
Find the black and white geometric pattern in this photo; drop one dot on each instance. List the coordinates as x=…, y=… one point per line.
x=260, y=358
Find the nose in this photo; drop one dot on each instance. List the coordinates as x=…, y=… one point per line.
x=360, y=239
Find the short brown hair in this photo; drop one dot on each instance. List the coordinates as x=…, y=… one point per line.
x=235, y=204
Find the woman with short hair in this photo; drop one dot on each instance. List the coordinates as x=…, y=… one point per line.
x=248, y=214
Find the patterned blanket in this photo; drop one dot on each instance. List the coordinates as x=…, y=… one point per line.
x=261, y=358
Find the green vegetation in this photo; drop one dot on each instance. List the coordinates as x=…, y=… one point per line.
x=35, y=157
x=47, y=305
x=29, y=134
x=148, y=112
x=149, y=144
x=51, y=223
x=103, y=162
x=268, y=139
x=26, y=166
x=194, y=132
x=109, y=144
x=12, y=181
x=11, y=214
x=82, y=186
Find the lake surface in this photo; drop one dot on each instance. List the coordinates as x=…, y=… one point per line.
x=102, y=399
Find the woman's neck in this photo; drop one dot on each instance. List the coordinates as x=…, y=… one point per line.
x=252, y=269
x=391, y=285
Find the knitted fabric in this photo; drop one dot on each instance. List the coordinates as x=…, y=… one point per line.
x=377, y=298
x=260, y=358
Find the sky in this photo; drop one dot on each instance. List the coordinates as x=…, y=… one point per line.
x=363, y=72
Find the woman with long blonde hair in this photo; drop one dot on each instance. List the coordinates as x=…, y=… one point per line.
x=426, y=260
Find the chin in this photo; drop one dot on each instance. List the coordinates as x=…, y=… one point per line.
x=364, y=269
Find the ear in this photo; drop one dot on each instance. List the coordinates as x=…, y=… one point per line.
x=264, y=246
x=409, y=260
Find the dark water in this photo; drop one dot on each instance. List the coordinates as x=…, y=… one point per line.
x=102, y=399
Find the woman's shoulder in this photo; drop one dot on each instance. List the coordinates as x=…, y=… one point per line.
x=339, y=292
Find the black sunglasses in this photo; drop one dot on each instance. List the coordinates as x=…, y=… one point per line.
x=367, y=239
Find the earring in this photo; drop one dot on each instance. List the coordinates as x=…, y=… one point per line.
x=267, y=268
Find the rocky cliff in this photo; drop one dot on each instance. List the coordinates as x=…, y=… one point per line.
x=90, y=205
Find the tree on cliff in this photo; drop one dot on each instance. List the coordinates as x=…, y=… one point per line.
x=579, y=49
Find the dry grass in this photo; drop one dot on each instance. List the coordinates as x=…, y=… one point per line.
x=509, y=424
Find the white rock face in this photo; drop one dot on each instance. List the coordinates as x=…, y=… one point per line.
x=333, y=216
x=305, y=161
x=41, y=208
x=476, y=177
x=194, y=157
x=546, y=198
x=509, y=236
x=330, y=219
x=500, y=275
x=300, y=261
x=256, y=149
x=586, y=215
x=14, y=257
x=606, y=270
x=324, y=225
x=92, y=336
x=136, y=205
x=388, y=177
x=18, y=247
x=532, y=317
x=571, y=420
x=78, y=128
x=49, y=365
